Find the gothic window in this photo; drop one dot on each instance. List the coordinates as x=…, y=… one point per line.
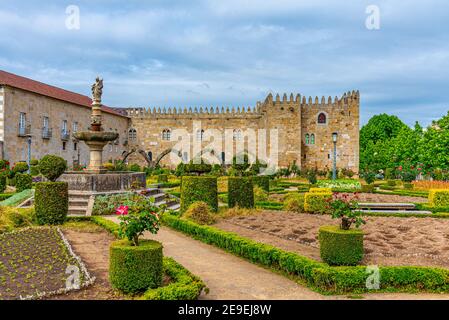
x=199, y=135
x=166, y=135
x=132, y=134
x=307, y=138
x=237, y=135
x=322, y=119
x=312, y=139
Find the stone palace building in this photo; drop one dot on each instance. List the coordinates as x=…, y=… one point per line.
x=47, y=116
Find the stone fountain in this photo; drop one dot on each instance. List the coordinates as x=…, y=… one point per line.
x=96, y=178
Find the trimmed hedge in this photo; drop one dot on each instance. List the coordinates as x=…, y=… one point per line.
x=316, y=202
x=320, y=190
x=197, y=188
x=368, y=188
x=162, y=178
x=51, y=202
x=439, y=198
x=340, y=247
x=240, y=192
x=134, y=269
x=52, y=167
x=4, y=196
x=327, y=279
x=184, y=286
x=263, y=182
x=24, y=181
x=3, y=181
x=106, y=224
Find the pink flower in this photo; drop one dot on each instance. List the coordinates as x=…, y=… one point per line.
x=122, y=211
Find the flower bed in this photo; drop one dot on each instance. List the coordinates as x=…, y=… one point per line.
x=428, y=185
x=34, y=264
x=337, y=185
x=317, y=275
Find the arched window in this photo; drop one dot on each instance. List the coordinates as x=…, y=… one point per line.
x=312, y=139
x=199, y=135
x=132, y=134
x=237, y=135
x=150, y=155
x=322, y=119
x=166, y=135
x=307, y=138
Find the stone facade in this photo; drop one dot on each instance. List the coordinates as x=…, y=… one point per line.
x=36, y=107
x=304, y=130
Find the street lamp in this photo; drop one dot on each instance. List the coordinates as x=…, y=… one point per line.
x=334, y=169
x=29, y=153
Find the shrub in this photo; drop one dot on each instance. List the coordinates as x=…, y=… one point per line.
x=4, y=164
x=137, y=217
x=19, y=167
x=196, y=188
x=294, y=202
x=369, y=177
x=317, y=202
x=12, y=218
x=391, y=183
x=263, y=182
x=109, y=166
x=368, y=188
x=135, y=168
x=260, y=194
x=34, y=171
x=184, y=286
x=344, y=207
x=311, y=177
x=3, y=181
x=439, y=198
x=198, y=167
x=408, y=185
x=51, y=202
x=52, y=167
x=134, y=269
x=340, y=247
x=341, y=184
x=162, y=178
x=199, y=212
x=389, y=173
x=24, y=181
x=240, y=192
x=320, y=190
x=34, y=162
x=408, y=176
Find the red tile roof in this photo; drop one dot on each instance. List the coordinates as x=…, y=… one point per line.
x=27, y=84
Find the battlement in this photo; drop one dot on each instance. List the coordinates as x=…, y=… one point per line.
x=312, y=101
x=225, y=112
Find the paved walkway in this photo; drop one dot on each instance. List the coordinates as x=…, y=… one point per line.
x=227, y=276
x=230, y=277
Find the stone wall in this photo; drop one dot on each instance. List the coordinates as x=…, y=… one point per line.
x=292, y=116
x=36, y=108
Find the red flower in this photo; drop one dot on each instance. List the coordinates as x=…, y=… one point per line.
x=122, y=211
x=400, y=168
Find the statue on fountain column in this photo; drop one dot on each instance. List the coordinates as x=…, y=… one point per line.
x=97, y=91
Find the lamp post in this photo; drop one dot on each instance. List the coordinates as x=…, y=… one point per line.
x=29, y=153
x=334, y=169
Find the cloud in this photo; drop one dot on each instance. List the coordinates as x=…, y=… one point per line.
x=212, y=52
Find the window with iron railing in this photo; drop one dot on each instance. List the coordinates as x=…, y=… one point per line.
x=65, y=133
x=24, y=127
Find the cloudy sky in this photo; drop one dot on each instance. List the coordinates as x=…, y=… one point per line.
x=234, y=52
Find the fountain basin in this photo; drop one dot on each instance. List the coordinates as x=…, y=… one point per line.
x=109, y=181
x=97, y=136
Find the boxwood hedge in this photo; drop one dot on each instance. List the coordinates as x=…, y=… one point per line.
x=134, y=269
x=51, y=202
x=3, y=181
x=320, y=276
x=184, y=286
x=198, y=188
x=24, y=181
x=263, y=182
x=340, y=247
x=240, y=192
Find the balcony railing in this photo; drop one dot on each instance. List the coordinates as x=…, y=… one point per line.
x=65, y=135
x=47, y=133
x=24, y=130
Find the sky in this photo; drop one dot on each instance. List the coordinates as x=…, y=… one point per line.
x=175, y=53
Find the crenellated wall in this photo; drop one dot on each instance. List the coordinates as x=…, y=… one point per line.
x=292, y=116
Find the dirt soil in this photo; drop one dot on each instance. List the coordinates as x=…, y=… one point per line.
x=388, y=240
x=92, y=245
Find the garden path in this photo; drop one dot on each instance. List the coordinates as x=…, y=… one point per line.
x=230, y=277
